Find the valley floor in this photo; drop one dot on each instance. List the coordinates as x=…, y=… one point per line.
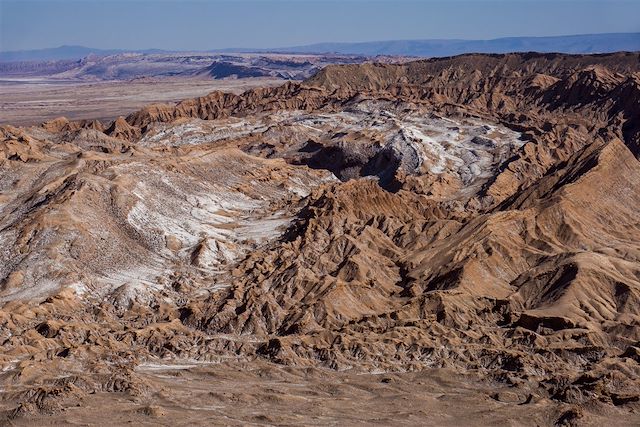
x=32, y=101
x=259, y=393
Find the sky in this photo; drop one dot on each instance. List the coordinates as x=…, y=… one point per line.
x=203, y=25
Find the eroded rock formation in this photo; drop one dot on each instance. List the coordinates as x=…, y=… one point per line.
x=476, y=213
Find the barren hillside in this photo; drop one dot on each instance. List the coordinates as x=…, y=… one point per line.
x=367, y=231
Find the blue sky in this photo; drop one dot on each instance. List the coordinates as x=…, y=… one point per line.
x=199, y=25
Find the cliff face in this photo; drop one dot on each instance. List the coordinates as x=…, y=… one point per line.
x=478, y=213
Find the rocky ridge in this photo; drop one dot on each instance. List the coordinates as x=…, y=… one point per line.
x=475, y=213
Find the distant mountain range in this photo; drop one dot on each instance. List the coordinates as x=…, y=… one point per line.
x=584, y=43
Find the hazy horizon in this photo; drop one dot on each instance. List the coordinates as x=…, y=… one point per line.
x=275, y=48
x=264, y=24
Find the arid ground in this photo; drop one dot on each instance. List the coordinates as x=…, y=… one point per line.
x=32, y=101
x=452, y=241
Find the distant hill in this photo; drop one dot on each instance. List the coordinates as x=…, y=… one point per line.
x=62, y=52
x=586, y=43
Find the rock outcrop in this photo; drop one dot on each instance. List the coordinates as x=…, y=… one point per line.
x=476, y=213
